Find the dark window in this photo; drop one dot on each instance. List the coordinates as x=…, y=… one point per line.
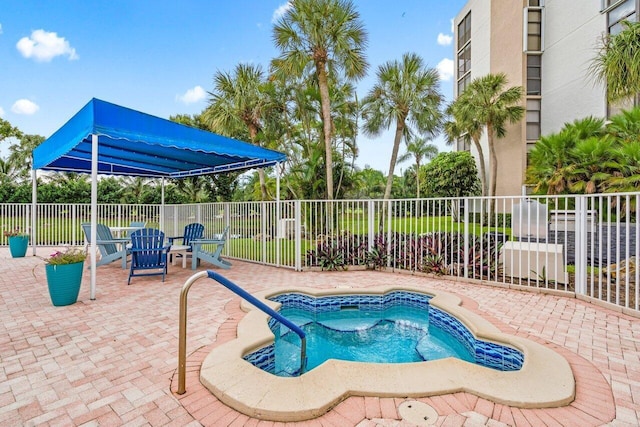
x=533, y=119
x=534, y=74
x=464, y=31
x=464, y=60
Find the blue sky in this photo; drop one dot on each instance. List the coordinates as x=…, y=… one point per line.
x=160, y=56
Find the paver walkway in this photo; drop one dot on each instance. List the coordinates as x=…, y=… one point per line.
x=111, y=361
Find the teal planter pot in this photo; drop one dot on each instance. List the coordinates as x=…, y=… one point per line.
x=64, y=282
x=18, y=246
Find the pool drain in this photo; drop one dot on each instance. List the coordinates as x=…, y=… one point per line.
x=417, y=413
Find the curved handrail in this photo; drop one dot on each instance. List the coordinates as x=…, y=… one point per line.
x=182, y=333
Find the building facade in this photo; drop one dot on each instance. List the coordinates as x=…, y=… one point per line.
x=545, y=46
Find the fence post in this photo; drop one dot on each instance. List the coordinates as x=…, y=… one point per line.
x=465, y=249
x=388, y=232
x=298, y=232
x=263, y=231
x=581, y=245
x=371, y=226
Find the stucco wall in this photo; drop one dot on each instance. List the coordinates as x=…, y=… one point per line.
x=571, y=35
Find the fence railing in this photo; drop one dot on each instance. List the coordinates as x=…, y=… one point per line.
x=586, y=245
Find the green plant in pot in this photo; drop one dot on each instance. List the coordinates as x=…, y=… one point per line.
x=18, y=242
x=64, y=275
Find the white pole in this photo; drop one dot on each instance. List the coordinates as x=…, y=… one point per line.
x=162, y=205
x=34, y=203
x=278, y=240
x=94, y=212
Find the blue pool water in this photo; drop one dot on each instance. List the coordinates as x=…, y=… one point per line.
x=395, y=335
x=397, y=327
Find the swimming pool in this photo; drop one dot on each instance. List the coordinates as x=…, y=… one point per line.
x=397, y=327
x=544, y=378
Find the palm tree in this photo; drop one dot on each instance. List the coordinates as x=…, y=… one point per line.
x=466, y=127
x=487, y=101
x=617, y=64
x=419, y=149
x=322, y=37
x=238, y=102
x=406, y=93
x=20, y=153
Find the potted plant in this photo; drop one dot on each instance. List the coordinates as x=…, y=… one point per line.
x=64, y=275
x=18, y=242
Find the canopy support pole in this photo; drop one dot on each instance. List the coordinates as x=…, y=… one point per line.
x=278, y=216
x=34, y=205
x=162, y=205
x=94, y=212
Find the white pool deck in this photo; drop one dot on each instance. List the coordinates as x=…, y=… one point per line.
x=112, y=361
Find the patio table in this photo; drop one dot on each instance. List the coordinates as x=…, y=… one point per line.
x=178, y=249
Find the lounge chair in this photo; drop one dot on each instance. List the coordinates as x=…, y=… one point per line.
x=111, y=248
x=201, y=253
x=148, y=253
x=191, y=232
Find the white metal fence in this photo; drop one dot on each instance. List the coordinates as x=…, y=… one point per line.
x=582, y=244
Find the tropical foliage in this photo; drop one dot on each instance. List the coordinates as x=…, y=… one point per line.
x=588, y=156
x=406, y=94
x=617, y=64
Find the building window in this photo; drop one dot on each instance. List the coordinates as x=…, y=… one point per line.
x=533, y=25
x=464, y=53
x=625, y=11
x=533, y=118
x=534, y=74
x=463, y=144
x=464, y=31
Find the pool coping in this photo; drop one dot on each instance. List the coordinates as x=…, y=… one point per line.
x=545, y=379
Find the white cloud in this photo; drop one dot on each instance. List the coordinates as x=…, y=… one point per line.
x=193, y=95
x=43, y=46
x=24, y=106
x=280, y=11
x=452, y=27
x=1, y=112
x=445, y=69
x=444, y=39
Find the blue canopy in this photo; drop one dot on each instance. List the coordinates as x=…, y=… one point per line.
x=135, y=143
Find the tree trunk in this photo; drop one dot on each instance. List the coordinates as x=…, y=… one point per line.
x=253, y=132
x=483, y=173
x=417, y=180
x=325, y=101
x=394, y=156
x=493, y=161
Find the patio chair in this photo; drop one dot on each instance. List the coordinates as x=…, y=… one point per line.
x=149, y=254
x=201, y=253
x=191, y=232
x=111, y=248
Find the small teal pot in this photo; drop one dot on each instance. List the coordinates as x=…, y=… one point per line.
x=64, y=282
x=18, y=246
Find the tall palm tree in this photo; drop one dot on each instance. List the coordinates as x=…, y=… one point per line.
x=238, y=102
x=488, y=102
x=466, y=127
x=406, y=93
x=617, y=63
x=323, y=38
x=420, y=149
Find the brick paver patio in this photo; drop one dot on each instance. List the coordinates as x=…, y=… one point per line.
x=112, y=361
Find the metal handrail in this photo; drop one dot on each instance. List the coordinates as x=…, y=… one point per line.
x=182, y=333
